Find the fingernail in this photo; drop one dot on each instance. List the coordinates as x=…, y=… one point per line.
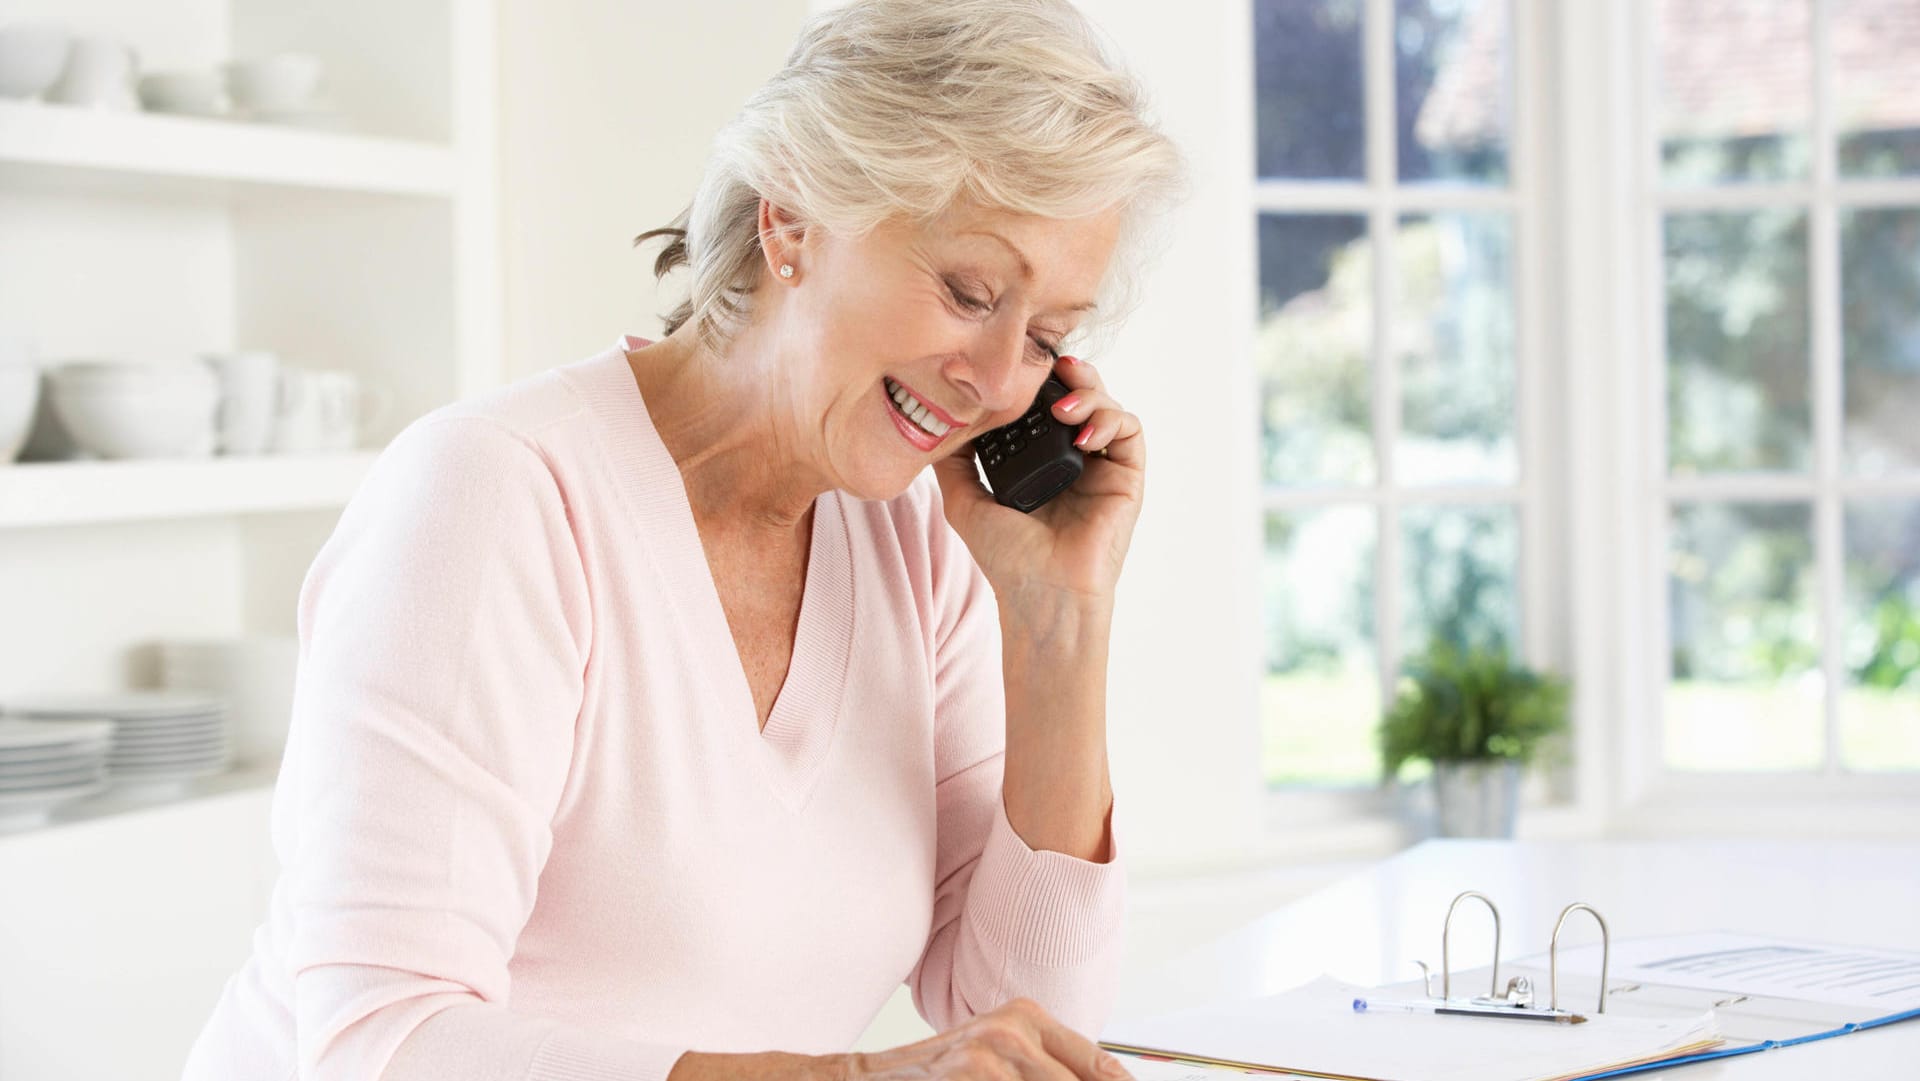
x=1112, y=1068
x=1068, y=403
x=1086, y=433
x=1067, y=358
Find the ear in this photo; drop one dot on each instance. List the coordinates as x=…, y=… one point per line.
x=781, y=236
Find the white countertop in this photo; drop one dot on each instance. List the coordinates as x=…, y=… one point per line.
x=1368, y=928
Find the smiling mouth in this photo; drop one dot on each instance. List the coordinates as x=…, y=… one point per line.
x=915, y=412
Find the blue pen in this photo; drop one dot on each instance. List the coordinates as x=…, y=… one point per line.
x=1362, y=1005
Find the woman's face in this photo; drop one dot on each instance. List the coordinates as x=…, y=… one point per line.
x=958, y=318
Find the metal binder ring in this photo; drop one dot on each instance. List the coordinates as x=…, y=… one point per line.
x=1446, y=936
x=1553, y=954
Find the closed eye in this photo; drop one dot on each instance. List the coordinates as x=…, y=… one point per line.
x=1051, y=349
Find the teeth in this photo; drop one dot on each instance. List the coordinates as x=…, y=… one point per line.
x=913, y=410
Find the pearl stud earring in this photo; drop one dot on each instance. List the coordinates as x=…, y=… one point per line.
x=786, y=270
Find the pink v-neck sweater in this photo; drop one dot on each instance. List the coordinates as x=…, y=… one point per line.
x=528, y=825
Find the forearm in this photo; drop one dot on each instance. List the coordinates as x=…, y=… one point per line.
x=1056, y=786
x=759, y=1066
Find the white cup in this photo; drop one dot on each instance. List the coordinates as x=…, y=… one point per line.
x=249, y=399
x=99, y=75
x=19, y=395
x=32, y=56
x=323, y=411
x=282, y=83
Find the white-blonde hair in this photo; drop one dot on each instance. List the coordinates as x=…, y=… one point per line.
x=900, y=110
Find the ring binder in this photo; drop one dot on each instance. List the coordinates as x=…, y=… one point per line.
x=1519, y=993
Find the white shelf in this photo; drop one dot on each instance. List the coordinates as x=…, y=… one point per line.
x=143, y=145
x=69, y=493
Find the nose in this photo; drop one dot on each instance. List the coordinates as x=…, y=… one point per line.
x=990, y=369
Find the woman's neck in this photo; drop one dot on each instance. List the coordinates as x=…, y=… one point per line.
x=728, y=424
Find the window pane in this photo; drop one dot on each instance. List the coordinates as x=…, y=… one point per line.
x=1454, y=333
x=1737, y=342
x=1321, y=698
x=1310, y=105
x=1452, y=71
x=1745, y=692
x=1880, y=328
x=1459, y=569
x=1736, y=83
x=1876, y=98
x=1314, y=349
x=1880, y=705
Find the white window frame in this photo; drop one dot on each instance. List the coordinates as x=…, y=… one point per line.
x=1362, y=818
x=1830, y=799
x=1592, y=439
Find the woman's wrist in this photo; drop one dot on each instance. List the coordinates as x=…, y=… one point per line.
x=758, y=1066
x=1055, y=622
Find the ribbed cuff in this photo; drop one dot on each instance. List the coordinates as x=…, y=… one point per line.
x=1046, y=908
x=570, y=1054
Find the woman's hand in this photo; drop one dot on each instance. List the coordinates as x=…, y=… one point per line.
x=1018, y=1040
x=1074, y=545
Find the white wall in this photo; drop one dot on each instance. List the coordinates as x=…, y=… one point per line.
x=607, y=108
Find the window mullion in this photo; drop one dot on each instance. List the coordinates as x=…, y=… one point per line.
x=1824, y=279
x=1644, y=754
x=1382, y=177
x=1544, y=639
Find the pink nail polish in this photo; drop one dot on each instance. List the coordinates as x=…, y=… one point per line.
x=1067, y=358
x=1067, y=404
x=1086, y=433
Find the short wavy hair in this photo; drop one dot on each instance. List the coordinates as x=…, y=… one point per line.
x=891, y=110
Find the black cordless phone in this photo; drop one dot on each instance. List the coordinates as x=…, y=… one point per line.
x=1033, y=459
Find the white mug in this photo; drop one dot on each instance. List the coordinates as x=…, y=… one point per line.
x=100, y=74
x=249, y=399
x=324, y=411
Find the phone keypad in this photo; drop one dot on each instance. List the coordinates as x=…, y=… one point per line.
x=1000, y=444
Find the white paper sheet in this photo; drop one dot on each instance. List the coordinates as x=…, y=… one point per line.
x=1315, y=1029
x=1146, y=1069
x=1878, y=982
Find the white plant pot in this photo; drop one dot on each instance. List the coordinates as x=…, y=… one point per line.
x=1476, y=798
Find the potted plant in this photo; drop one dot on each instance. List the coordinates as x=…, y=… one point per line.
x=1479, y=719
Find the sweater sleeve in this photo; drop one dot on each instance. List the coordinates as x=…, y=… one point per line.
x=1008, y=921
x=444, y=632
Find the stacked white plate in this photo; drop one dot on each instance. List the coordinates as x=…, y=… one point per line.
x=43, y=765
x=161, y=739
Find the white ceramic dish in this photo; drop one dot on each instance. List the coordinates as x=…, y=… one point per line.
x=42, y=781
x=24, y=810
x=32, y=56
x=120, y=705
x=148, y=756
x=19, y=396
x=283, y=83
x=183, y=93
x=18, y=734
x=42, y=767
x=117, y=413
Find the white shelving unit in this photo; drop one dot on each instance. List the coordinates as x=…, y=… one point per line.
x=70, y=143
x=82, y=493
x=373, y=249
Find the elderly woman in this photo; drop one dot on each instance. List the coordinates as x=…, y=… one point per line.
x=659, y=715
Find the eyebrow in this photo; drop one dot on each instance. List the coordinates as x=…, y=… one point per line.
x=1026, y=268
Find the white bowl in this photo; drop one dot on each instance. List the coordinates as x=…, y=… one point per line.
x=284, y=83
x=134, y=376
x=189, y=93
x=32, y=56
x=168, y=413
x=19, y=395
